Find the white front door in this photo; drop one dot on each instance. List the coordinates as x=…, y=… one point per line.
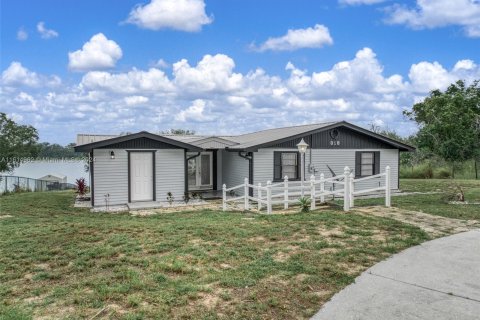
x=141, y=176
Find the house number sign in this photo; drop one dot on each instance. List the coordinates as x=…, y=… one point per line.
x=334, y=135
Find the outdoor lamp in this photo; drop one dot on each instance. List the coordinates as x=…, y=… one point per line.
x=302, y=146
x=112, y=155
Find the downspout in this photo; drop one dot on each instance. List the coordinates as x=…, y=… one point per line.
x=248, y=156
x=186, y=167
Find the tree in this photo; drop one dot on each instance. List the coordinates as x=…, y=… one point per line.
x=448, y=122
x=54, y=150
x=17, y=142
x=180, y=132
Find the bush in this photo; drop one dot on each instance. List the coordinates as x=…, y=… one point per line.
x=304, y=204
x=423, y=171
x=81, y=186
x=443, y=173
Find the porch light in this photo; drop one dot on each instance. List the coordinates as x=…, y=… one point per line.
x=112, y=155
x=302, y=146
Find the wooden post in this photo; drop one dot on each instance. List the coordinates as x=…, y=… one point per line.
x=224, y=197
x=346, y=189
x=269, y=197
x=388, y=189
x=259, y=195
x=285, y=192
x=245, y=193
x=312, y=192
x=322, y=188
x=352, y=190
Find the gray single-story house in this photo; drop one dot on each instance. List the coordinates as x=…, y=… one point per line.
x=144, y=166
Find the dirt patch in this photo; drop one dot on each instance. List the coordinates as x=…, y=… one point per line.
x=42, y=266
x=5, y=216
x=435, y=226
x=331, y=233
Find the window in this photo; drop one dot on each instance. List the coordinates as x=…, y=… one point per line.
x=286, y=164
x=367, y=163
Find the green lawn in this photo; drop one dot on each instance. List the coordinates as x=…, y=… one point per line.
x=61, y=262
x=434, y=203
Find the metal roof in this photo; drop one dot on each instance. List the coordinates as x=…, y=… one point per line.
x=270, y=135
x=243, y=142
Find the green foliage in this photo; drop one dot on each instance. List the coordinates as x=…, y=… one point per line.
x=449, y=122
x=16, y=142
x=170, y=197
x=47, y=150
x=304, y=204
x=180, y=132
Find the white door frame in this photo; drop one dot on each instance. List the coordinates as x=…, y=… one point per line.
x=130, y=175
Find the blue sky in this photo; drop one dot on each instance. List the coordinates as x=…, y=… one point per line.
x=359, y=60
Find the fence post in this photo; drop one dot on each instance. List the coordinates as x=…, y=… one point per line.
x=285, y=192
x=269, y=197
x=224, y=197
x=352, y=190
x=346, y=189
x=387, y=187
x=245, y=193
x=322, y=188
x=259, y=195
x=312, y=192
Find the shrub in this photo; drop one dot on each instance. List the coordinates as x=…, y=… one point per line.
x=443, y=173
x=186, y=197
x=454, y=193
x=170, y=197
x=81, y=186
x=304, y=204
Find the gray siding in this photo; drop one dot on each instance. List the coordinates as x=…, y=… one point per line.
x=336, y=159
x=234, y=169
x=110, y=176
x=170, y=173
x=219, y=169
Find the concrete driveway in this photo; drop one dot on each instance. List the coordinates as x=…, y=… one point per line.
x=439, y=279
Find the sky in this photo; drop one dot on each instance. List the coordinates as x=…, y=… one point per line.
x=228, y=66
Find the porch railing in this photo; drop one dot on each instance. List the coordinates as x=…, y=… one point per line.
x=288, y=192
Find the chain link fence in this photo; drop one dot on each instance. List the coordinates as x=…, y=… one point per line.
x=22, y=184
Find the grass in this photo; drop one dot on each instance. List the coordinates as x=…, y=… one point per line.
x=62, y=262
x=435, y=203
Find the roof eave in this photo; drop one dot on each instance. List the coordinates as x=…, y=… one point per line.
x=143, y=134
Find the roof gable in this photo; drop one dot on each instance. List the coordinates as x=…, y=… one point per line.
x=141, y=139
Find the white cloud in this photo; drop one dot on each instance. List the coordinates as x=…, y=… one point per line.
x=193, y=96
x=184, y=15
x=135, y=100
x=160, y=63
x=438, y=13
x=211, y=74
x=134, y=81
x=44, y=32
x=22, y=34
x=295, y=39
x=360, y=2
x=18, y=75
x=98, y=53
x=196, y=112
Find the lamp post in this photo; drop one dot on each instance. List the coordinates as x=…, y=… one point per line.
x=302, y=148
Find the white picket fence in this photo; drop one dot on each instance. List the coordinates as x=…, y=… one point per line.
x=287, y=192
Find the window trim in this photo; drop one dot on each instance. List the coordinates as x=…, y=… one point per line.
x=281, y=167
x=374, y=164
